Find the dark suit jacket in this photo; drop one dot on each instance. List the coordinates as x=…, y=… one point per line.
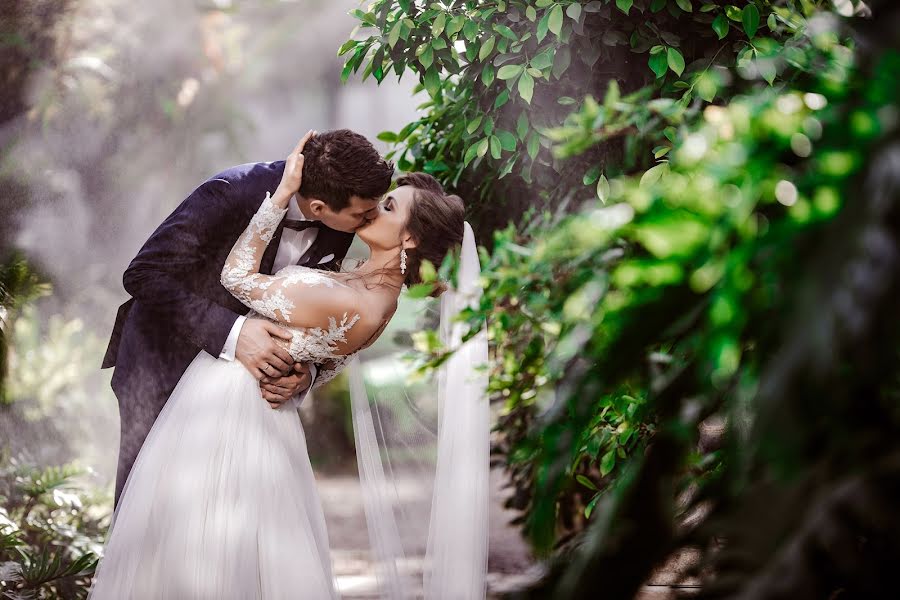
x=178, y=306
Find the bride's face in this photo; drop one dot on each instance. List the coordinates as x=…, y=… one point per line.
x=388, y=230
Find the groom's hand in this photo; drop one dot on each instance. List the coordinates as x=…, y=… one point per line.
x=278, y=390
x=257, y=350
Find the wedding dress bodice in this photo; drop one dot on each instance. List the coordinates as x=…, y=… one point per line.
x=316, y=344
x=267, y=295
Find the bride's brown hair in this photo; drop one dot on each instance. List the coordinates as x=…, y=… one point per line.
x=436, y=221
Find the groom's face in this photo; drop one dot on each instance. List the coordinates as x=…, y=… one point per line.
x=359, y=212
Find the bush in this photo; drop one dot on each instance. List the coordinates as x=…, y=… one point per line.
x=51, y=531
x=732, y=281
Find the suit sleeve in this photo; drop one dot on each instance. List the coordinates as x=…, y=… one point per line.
x=180, y=247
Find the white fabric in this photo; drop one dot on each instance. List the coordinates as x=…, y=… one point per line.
x=221, y=502
x=292, y=249
x=230, y=347
x=294, y=244
x=392, y=445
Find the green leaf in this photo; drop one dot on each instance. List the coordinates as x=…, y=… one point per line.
x=526, y=87
x=487, y=47
x=487, y=75
x=591, y=176
x=721, y=26
x=508, y=167
x=507, y=140
x=509, y=72
x=543, y=3
x=346, y=47
x=542, y=27
x=502, y=98
x=472, y=127
x=675, y=60
x=534, y=146
x=658, y=64
x=470, y=30
x=530, y=13
x=750, y=18
x=495, y=146
x=767, y=69
x=482, y=147
x=432, y=81
x=471, y=153
x=586, y=482
x=555, y=20
x=685, y=5
x=771, y=23
x=522, y=125
x=603, y=189
x=653, y=174
x=506, y=32
x=543, y=60
x=561, y=61
x=437, y=28
x=624, y=5
x=427, y=57
x=420, y=290
x=455, y=25
x=574, y=11
x=591, y=505
x=608, y=463
x=394, y=35
x=387, y=136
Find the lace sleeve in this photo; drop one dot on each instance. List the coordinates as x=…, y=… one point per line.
x=241, y=275
x=277, y=297
x=328, y=371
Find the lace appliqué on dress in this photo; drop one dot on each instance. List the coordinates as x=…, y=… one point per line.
x=265, y=294
x=240, y=275
x=320, y=346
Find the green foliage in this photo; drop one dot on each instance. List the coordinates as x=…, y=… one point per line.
x=499, y=74
x=18, y=284
x=50, y=532
x=693, y=285
x=502, y=80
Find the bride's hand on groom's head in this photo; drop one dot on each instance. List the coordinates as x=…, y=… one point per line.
x=278, y=390
x=293, y=172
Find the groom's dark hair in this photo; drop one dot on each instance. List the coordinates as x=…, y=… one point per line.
x=341, y=163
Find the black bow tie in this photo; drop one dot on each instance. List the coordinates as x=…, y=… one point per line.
x=298, y=225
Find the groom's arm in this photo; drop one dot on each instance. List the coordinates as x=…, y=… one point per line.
x=180, y=247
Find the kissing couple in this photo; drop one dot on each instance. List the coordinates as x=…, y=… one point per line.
x=238, y=307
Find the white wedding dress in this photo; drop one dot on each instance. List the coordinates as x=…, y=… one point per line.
x=221, y=501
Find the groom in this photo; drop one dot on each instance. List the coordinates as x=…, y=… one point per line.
x=178, y=307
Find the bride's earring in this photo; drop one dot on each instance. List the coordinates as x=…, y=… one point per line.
x=403, y=261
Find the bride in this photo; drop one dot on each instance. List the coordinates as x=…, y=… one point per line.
x=221, y=502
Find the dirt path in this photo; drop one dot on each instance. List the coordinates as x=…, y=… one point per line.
x=509, y=559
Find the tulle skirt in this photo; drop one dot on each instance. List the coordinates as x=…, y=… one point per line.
x=221, y=502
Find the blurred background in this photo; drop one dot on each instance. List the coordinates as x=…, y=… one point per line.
x=115, y=113
x=111, y=112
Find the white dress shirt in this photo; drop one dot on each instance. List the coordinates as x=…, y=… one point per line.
x=292, y=250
